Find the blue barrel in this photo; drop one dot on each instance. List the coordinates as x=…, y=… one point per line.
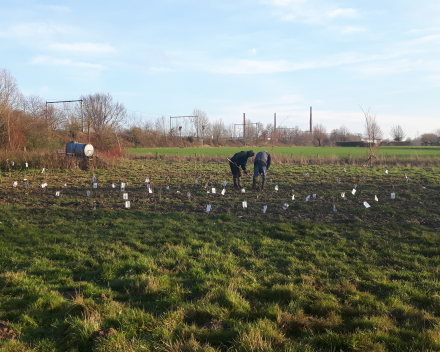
x=79, y=149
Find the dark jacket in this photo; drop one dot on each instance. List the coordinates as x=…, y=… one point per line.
x=241, y=159
x=262, y=158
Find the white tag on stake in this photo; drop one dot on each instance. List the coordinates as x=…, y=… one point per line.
x=293, y=197
x=276, y=188
x=150, y=190
x=26, y=164
x=127, y=204
x=167, y=187
x=213, y=191
x=208, y=208
x=43, y=170
x=314, y=196
x=343, y=194
x=244, y=204
x=223, y=191
x=95, y=185
x=307, y=198
x=57, y=193
x=393, y=195
x=93, y=179
x=338, y=180
x=125, y=196
x=15, y=184
x=243, y=190
x=334, y=208
x=375, y=198
x=353, y=191
x=224, y=184
x=264, y=208
x=147, y=180
x=113, y=185
x=285, y=206
x=366, y=205
x=88, y=193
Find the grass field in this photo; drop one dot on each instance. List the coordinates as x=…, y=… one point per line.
x=296, y=151
x=165, y=275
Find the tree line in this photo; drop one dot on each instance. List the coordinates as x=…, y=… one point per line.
x=29, y=122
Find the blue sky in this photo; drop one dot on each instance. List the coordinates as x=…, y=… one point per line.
x=232, y=57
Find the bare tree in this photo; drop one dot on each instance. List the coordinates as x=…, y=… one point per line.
x=218, y=129
x=397, y=133
x=102, y=113
x=429, y=138
x=319, y=133
x=10, y=98
x=199, y=122
x=372, y=132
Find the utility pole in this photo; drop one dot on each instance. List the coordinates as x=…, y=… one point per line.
x=275, y=124
x=244, y=126
x=311, y=126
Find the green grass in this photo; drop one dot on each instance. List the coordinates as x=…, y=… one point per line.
x=167, y=276
x=295, y=151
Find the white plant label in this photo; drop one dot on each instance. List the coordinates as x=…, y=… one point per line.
x=150, y=190
x=223, y=191
x=122, y=185
x=125, y=196
x=15, y=184
x=188, y=194
x=276, y=188
x=26, y=164
x=375, y=198
x=306, y=174
x=293, y=197
x=208, y=208
x=26, y=185
x=213, y=190
x=338, y=180
x=148, y=186
x=270, y=180
x=314, y=196
x=334, y=208
x=12, y=163
x=393, y=195
x=168, y=187
x=307, y=198
x=178, y=192
x=65, y=185
x=244, y=204
x=197, y=180
x=345, y=170
x=43, y=170
x=355, y=186
x=386, y=171
x=407, y=179
x=88, y=193
x=57, y=193
x=364, y=177
x=243, y=190
x=264, y=208
x=343, y=194
x=208, y=192
x=147, y=180
x=367, y=205
x=95, y=185
x=94, y=179
x=44, y=185
x=127, y=204
x=224, y=184
x=353, y=191
x=285, y=206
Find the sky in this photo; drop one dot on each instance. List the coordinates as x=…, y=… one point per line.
x=227, y=58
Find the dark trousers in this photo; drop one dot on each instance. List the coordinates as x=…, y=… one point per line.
x=235, y=170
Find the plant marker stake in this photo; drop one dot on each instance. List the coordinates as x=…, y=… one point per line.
x=367, y=205
x=276, y=188
x=213, y=191
x=243, y=190
x=345, y=170
x=26, y=164
x=375, y=198
x=393, y=195
x=167, y=187
x=223, y=191
x=343, y=194
x=224, y=184
x=353, y=191
x=12, y=163
x=43, y=170
x=264, y=208
x=26, y=185
x=122, y=186
x=364, y=177
x=306, y=174
x=386, y=171
x=285, y=206
x=125, y=196
x=293, y=197
x=94, y=179
x=188, y=194
x=88, y=193
x=307, y=198
x=334, y=208
x=148, y=186
x=57, y=193
x=147, y=180
x=314, y=196
x=95, y=185
x=127, y=204
x=338, y=180
x=197, y=180
x=355, y=186
x=150, y=190
x=208, y=208
x=244, y=204
x=44, y=185
x=15, y=184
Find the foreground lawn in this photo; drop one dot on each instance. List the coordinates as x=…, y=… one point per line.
x=106, y=280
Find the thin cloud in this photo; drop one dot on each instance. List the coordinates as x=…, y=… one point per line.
x=344, y=13
x=37, y=29
x=56, y=8
x=95, y=48
x=352, y=29
x=46, y=60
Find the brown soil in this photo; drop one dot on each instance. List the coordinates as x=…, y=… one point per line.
x=212, y=324
x=6, y=332
x=102, y=334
